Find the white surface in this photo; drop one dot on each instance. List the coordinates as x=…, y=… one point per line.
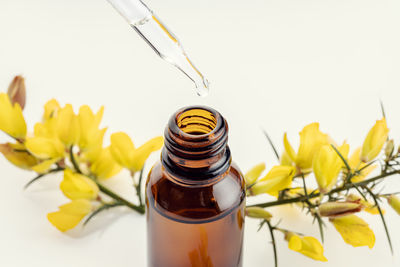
x=273, y=64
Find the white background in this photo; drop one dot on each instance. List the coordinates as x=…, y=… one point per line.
x=276, y=65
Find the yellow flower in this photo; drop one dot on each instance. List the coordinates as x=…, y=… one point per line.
x=54, y=136
x=125, y=153
x=257, y=212
x=307, y=245
x=327, y=165
x=51, y=109
x=374, y=141
x=311, y=140
x=254, y=173
x=356, y=164
x=77, y=186
x=277, y=179
x=70, y=214
x=105, y=166
x=394, y=202
x=68, y=129
x=17, y=155
x=45, y=148
x=12, y=121
x=354, y=231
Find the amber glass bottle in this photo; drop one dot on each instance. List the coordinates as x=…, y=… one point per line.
x=195, y=195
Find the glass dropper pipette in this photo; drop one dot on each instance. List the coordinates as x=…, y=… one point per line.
x=162, y=40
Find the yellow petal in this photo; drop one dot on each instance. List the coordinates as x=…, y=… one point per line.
x=140, y=155
x=70, y=214
x=354, y=231
x=47, y=129
x=356, y=164
x=394, y=202
x=311, y=140
x=44, y=166
x=12, y=120
x=105, y=166
x=374, y=141
x=308, y=246
x=326, y=166
x=89, y=124
x=16, y=154
x=372, y=209
x=77, y=186
x=45, y=148
x=51, y=109
x=121, y=148
x=286, y=160
x=94, y=146
x=288, y=148
x=68, y=128
x=277, y=179
x=254, y=173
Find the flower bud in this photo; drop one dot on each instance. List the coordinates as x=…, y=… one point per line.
x=260, y=213
x=389, y=148
x=338, y=209
x=374, y=141
x=17, y=92
x=394, y=202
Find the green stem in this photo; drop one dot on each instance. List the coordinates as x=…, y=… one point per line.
x=139, y=188
x=41, y=176
x=74, y=163
x=271, y=231
x=315, y=195
x=120, y=199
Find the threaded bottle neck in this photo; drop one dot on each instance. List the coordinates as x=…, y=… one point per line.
x=196, y=144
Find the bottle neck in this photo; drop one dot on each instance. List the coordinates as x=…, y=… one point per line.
x=195, y=148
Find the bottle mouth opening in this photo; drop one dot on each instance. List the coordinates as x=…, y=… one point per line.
x=195, y=146
x=197, y=121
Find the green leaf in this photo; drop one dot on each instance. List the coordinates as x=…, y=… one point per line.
x=272, y=144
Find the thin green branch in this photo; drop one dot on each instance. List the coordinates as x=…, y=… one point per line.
x=139, y=188
x=342, y=158
x=320, y=226
x=271, y=144
x=317, y=194
x=271, y=231
x=382, y=217
x=383, y=109
x=74, y=162
x=122, y=200
x=41, y=176
x=102, y=208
